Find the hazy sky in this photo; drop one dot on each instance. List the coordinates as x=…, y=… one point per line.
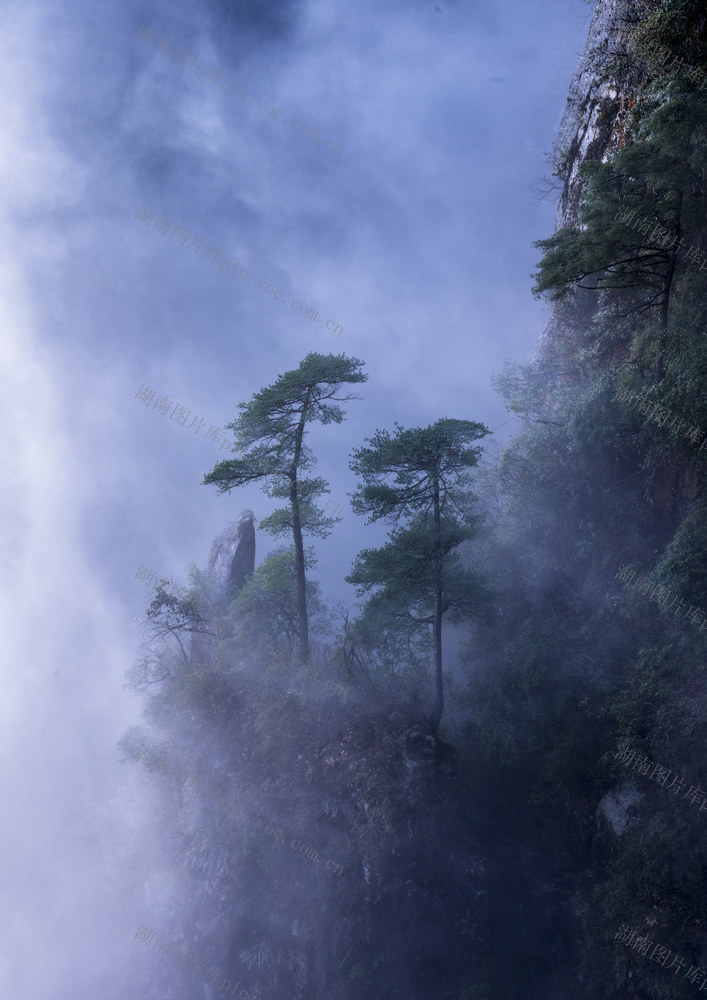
x=415, y=238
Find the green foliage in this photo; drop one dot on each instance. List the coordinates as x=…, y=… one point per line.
x=564, y=662
x=400, y=472
x=678, y=26
x=313, y=520
x=270, y=433
x=416, y=479
x=405, y=574
x=264, y=613
x=574, y=662
x=683, y=567
x=657, y=176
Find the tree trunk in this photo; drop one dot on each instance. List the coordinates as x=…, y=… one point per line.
x=303, y=629
x=438, y=707
x=665, y=304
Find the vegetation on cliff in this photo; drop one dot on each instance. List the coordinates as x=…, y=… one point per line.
x=505, y=866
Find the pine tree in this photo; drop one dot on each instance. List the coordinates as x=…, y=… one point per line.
x=270, y=435
x=415, y=480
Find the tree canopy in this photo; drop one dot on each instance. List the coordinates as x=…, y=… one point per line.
x=416, y=479
x=270, y=434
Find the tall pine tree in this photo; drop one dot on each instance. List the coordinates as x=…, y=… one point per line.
x=270, y=436
x=416, y=481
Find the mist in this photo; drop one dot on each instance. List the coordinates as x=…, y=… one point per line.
x=150, y=810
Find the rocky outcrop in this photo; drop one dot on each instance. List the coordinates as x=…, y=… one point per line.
x=616, y=809
x=243, y=562
x=427, y=760
x=232, y=556
x=231, y=562
x=596, y=103
x=373, y=884
x=414, y=894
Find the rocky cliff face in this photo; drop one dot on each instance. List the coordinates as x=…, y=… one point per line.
x=387, y=894
x=372, y=883
x=232, y=555
x=243, y=561
x=596, y=105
